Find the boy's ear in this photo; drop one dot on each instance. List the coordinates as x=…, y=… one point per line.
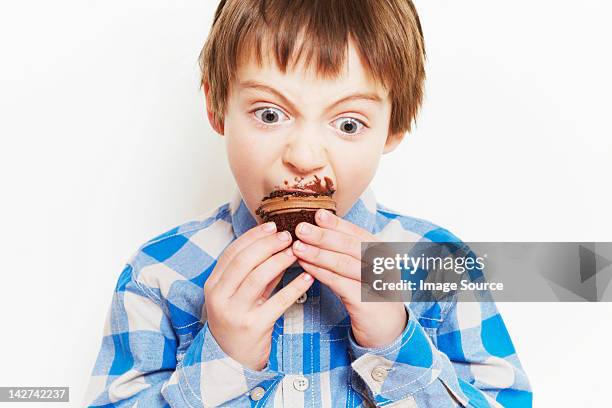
x=392, y=142
x=216, y=126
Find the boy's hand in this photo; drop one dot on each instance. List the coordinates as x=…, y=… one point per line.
x=240, y=315
x=332, y=254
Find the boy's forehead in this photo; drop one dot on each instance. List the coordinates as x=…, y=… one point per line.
x=304, y=78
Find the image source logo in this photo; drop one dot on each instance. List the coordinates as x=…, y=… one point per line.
x=486, y=271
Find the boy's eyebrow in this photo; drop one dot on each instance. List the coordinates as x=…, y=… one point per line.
x=368, y=96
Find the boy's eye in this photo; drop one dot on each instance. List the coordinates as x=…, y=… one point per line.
x=348, y=125
x=269, y=115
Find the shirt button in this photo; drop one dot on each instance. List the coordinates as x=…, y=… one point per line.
x=257, y=393
x=302, y=298
x=379, y=373
x=300, y=383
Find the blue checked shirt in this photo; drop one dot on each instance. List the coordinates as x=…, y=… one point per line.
x=157, y=349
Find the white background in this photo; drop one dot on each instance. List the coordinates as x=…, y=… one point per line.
x=105, y=144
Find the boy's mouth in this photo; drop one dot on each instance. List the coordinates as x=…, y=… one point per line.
x=313, y=187
x=303, y=190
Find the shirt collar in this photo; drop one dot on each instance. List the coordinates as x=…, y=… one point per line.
x=362, y=213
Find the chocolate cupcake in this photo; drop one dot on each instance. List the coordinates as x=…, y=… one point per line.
x=290, y=206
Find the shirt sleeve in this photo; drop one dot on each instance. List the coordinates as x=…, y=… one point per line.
x=138, y=366
x=467, y=359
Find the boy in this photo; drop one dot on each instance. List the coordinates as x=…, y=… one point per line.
x=226, y=311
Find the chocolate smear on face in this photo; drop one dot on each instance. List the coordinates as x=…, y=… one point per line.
x=315, y=185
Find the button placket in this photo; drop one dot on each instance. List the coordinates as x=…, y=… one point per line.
x=303, y=315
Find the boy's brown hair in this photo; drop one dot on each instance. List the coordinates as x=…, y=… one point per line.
x=386, y=33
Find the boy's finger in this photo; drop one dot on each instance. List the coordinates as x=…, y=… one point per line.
x=274, y=307
x=327, y=219
x=256, y=282
x=237, y=246
x=346, y=288
x=337, y=262
x=331, y=239
x=266, y=294
x=250, y=258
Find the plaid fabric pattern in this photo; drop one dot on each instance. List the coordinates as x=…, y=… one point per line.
x=157, y=350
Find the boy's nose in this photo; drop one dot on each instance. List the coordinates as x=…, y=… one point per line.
x=305, y=157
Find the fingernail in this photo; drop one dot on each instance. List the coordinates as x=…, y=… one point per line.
x=307, y=277
x=323, y=216
x=269, y=226
x=299, y=246
x=284, y=236
x=289, y=252
x=305, y=228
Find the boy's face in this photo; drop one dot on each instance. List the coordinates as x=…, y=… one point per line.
x=281, y=126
